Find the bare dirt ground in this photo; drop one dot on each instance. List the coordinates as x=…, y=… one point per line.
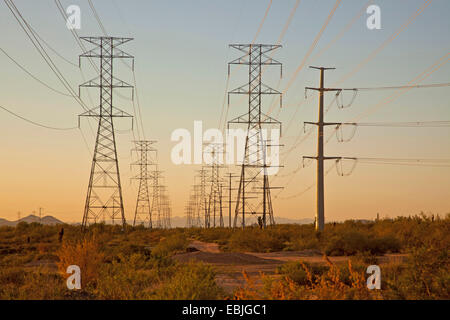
x=231, y=265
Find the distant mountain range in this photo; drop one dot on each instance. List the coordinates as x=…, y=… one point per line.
x=47, y=220
x=180, y=222
x=176, y=222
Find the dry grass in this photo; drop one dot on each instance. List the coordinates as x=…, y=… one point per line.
x=139, y=265
x=84, y=253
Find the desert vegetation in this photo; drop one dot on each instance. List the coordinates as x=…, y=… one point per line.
x=142, y=264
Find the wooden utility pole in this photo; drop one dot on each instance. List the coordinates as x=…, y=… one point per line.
x=320, y=214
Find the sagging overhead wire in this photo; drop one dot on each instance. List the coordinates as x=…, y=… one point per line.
x=36, y=123
x=306, y=57
x=299, y=140
x=374, y=53
x=35, y=39
x=340, y=99
x=340, y=133
x=427, y=124
x=401, y=162
x=52, y=49
x=277, y=196
x=97, y=17
x=403, y=89
x=75, y=35
x=312, y=47
x=343, y=31
x=420, y=86
x=341, y=171
x=138, y=114
x=36, y=43
x=33, y=76
x=225, y=108
x=328, y=46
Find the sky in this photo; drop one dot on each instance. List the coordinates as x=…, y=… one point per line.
x=181, y=54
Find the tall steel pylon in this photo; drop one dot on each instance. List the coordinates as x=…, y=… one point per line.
x=166, y=209
x=143, y=211
x=201, y=201
x=104, y=196
x=215, y=207
x=161, y=207
x=320, y=213
x=254, y=174
x=156, y=197
x=197, y=208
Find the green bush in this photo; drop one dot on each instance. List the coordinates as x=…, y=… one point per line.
x=352, y=242
x=171, y=244
x=257, y=240
x=192, y=281
x=296, y=272
x=126, y=278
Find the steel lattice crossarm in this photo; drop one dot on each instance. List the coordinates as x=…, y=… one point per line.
x=247, y=48
x=255, y=57
x=244, y=119
x=113, y=43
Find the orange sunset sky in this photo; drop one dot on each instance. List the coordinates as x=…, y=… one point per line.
x=181, y=51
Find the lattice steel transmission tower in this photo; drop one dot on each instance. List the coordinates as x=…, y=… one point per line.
x=104, y=196
x=197, y=206
x=166, y=209
x=156, y=197
x=254, y=190
x=190, y=209
x=201, y=201
x=215, y=207
x=143, y=211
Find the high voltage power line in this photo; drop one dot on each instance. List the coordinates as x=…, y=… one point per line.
x=34, y=37
x=419, y=86
x=229, y=73
x=372, y=55
x=36, y=123
x=139, y=114
x=33, y=76
x=36, y=40
x=24, y=25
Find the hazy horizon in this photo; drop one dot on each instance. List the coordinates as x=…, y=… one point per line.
x=181, y=51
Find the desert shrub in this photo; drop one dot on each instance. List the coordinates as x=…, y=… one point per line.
x=130, y=277
x=425, y=275
x=84, y=253
x=328, y=285
x=19, y=284
x=296, y=271
x=16, y=260
x=171, y=244
x=365, y=258
x=352, y=242
x=257, y=240
x=192, y=281
x=220, y=236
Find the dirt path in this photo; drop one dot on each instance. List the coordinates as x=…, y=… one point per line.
x=205, y=246
x=231, y=265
